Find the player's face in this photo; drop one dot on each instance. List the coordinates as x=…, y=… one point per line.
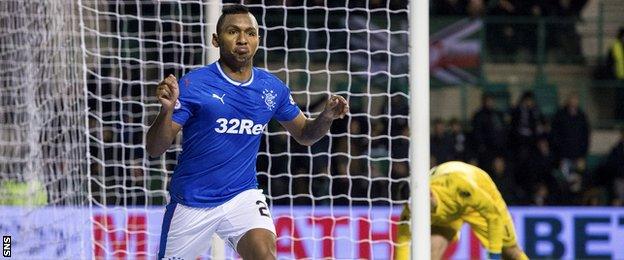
x=238, y=39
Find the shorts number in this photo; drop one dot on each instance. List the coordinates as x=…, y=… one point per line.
x=264, y=211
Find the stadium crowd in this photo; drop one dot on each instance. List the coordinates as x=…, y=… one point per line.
x=532, y=158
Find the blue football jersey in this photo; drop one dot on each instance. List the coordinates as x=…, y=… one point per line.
x=222, y=124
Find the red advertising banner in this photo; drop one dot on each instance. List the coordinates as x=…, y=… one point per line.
x=304, y=232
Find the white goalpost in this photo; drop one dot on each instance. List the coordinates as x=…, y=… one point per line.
x=77, y=97
x=419, y=124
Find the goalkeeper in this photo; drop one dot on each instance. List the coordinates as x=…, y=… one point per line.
x=462, y=193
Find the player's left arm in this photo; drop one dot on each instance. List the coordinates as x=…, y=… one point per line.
x=483, y=203
x=307, y=131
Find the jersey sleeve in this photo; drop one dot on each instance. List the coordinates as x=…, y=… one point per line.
x=186, y=103
x=483, y=203
x=287, y=109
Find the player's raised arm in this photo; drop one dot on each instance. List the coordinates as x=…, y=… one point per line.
x=162, y=132
x=308, y=131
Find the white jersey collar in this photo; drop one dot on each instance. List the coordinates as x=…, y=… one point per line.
x=234, y=82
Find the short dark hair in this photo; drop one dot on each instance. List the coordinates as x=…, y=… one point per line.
x=527, y=95
x=230, y=9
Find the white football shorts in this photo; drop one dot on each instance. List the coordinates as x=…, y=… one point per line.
x=187, y=231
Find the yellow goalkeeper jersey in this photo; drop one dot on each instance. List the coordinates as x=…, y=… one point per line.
x=464, y=193
x=461, y=190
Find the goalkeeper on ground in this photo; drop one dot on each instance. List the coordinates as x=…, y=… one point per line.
x=462, y=193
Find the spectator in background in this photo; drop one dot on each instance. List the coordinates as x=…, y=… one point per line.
x=570, y=134
x=571, y=8
x=488, y=131
x=135, y=180
x=340, y=184
x=458, y=140
x=567, y=41
x=449, y=7
x=615, y=59
x=576, y=183
x=399, y=169
x=541, y=171
x=526, y=33
x=618, y=192
x=358, y=167
x=541, y=196
x=476, y=8
x=615, y=62
x=523, y=134
x=610, y=174
x=525, y=118
x=504, y=35
x=398, y=109
x=441, y=142
x=503, y=177
x=594, y=197
x=544, y=130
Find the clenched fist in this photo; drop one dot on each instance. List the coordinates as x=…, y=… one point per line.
x=336, y=107
x=168, y=92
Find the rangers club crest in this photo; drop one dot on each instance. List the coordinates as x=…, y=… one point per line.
x=269, y=98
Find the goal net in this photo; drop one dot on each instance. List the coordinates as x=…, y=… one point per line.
x=42, y=139
x=340, y=198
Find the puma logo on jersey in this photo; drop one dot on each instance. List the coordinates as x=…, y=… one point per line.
x=218, y=97
x=239, y=126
